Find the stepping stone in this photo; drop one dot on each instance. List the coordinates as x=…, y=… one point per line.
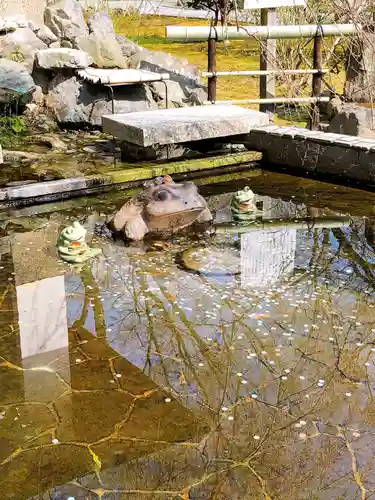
x=183, y=125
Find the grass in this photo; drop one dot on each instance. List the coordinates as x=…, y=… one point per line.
x=149, y=31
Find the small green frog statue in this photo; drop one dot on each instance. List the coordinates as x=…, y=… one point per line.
x=72, y=246
x=243, y=205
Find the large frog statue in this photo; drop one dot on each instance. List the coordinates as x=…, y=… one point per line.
x=162, y=207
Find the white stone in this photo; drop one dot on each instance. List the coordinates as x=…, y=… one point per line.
x=1, y=155
x=174, y=126
x=62, y=58
x=21, y=45
x=46, y=35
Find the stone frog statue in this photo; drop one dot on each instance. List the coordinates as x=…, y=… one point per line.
x=162, y=207
x=243, y=205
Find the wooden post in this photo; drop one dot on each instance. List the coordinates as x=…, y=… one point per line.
x=212, y=80
x=316, y=80
x=267, y=61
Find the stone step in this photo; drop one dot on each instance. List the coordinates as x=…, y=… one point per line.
x=183, y=125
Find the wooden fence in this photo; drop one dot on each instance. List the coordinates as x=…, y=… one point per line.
x=267, y=99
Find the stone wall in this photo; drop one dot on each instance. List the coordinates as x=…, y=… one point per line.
x=323, y=153
x=28, y=9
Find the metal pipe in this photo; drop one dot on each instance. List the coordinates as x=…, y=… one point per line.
x=276, y=100
x=319, y=223
x=257, y=72
x=203, y=33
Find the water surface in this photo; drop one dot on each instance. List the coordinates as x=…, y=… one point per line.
x=133, y=378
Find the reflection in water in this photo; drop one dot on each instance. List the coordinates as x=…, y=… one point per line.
x=133, y=378
x=42, y=316
x=267, y=256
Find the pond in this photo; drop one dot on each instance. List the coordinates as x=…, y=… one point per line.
x=132, y=377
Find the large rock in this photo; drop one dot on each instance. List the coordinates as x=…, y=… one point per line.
x=74, y=101
x=180, y=71
x=72, y=9
x=360, y=72
x=177, y=95
x=20, y=46
x=62, y=58
x=46, y=35
x=14, y=81
x=128, y=47
x=100, y=24
x=65, y=19
x=353, y=120
x=105, y=52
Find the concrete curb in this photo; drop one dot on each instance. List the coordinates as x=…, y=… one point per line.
x=42, y=192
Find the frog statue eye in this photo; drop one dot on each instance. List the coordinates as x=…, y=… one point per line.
x=161, y=195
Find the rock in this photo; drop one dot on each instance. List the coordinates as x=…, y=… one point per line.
x=65, y=19
x=360, y=72
x=66, y=44
x=20, y=156
x=74, y=101
x=1, y=155
x=353, y=120
x=39, y=119
x=334, y=106
x=62, y=58
x=128, y=47
x=51, y=141
x=55, y=45
x=177, y=96
x=106, y=53
x=323, y=105
x=20, y=46
x=38, y=96
x=132, y=152
x=180, y=71
x=14, y=81
x=33, y=26
x=46, y=35
x=100, y=24
x=41, y=78
x=73, y=10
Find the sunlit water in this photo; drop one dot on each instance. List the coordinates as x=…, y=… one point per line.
x=132, y=378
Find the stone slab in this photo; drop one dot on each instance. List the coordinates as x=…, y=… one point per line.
x=181, y=125
x=62, y=58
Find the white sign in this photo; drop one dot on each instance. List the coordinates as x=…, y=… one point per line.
x=272, y=4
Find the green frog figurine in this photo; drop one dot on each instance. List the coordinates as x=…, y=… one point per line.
x=72, y=246
x=243, y=205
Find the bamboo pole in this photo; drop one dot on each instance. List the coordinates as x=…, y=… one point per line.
x=257, y=72
x=202, y=33
x=276, y=100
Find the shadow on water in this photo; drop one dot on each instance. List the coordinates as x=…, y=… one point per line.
x=132, y=378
